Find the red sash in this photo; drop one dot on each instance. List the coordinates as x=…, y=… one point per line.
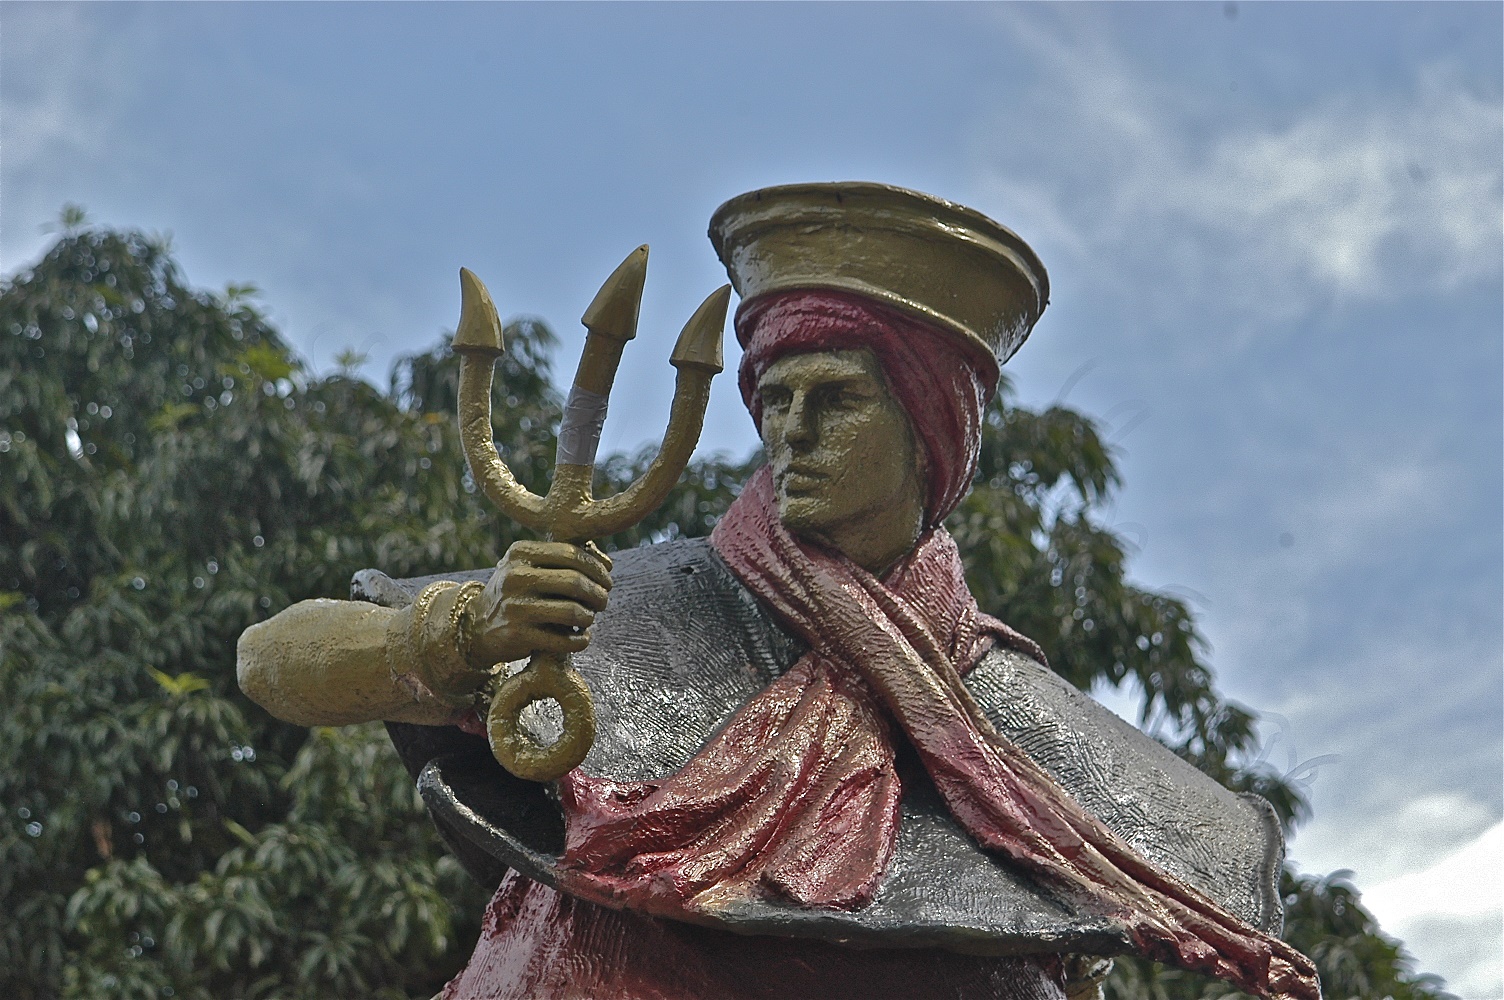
x=797, y=797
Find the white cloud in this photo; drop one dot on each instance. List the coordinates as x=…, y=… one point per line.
x=1451, y=915
x=1407, y=725
x=1211, y=222
x=46, y=104
x=1465, y=951
x=65, y=80
x=1358, y=197
x=1465, y=883
x=1359, y=497
x=1354, y=197
x=1396, y=843
x=1125, y=700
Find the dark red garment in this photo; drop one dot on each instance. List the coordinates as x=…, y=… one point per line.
x=540, y=944
x=797, y=797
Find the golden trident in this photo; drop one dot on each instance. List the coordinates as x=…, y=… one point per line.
x=568, y=513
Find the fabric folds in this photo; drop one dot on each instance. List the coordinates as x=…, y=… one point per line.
x=797, y=797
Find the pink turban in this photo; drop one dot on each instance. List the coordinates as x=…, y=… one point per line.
x=942, y=382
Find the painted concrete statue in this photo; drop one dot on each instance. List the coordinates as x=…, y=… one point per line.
x=808, y=765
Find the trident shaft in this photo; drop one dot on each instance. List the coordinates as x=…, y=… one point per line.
x=568, y=512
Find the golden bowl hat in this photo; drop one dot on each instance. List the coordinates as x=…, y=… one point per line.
x=932, y=258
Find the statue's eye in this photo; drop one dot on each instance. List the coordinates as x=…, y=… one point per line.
x=843, y=398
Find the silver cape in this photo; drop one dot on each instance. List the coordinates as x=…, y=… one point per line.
x=684, y=644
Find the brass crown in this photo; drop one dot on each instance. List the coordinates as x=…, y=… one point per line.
x=932, y=258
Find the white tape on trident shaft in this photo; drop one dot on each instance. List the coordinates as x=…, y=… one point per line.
x=580, y=430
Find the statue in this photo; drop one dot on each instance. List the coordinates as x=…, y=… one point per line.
x=793, y=759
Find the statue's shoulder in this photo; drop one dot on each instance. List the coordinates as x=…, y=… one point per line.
x=680, y=646
x=642, y=577
x=1228, y=845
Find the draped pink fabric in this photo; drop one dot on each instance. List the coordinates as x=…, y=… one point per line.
x=797, y=797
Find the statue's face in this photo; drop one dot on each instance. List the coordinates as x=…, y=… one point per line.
x=843, y=457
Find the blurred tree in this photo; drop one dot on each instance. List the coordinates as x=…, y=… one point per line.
x=170, y=474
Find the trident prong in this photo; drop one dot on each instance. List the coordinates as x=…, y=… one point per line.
x=478, y=342
x=568, y=512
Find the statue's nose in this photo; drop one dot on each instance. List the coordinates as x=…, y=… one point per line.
x=799, y=428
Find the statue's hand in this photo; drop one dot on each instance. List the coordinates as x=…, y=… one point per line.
x=543, y=597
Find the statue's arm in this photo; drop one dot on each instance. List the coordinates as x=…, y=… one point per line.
x=334, y=663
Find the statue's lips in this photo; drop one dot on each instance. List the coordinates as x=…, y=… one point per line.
x=800, y=479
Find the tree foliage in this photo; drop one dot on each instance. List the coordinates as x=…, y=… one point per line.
x=170, y=474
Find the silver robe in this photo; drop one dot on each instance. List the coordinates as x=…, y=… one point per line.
x=683, y=645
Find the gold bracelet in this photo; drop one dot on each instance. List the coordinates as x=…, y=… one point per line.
x=404, y=641
x=469, y=591
x=439, y=642
x=424, y=603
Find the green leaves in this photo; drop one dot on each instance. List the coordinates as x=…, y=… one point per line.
x=265, y=362
x=176, y=687
x=72, y=217
x=145, y=800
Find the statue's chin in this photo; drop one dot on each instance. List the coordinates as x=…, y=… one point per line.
x=806, y=516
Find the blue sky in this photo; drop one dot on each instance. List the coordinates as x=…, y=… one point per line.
x=1272, y=231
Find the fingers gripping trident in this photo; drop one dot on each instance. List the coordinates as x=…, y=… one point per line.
x=568, y=512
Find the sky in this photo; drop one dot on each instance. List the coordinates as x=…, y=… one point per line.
x=1272, y=231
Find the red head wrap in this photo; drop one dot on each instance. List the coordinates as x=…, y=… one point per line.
x=942, y=383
